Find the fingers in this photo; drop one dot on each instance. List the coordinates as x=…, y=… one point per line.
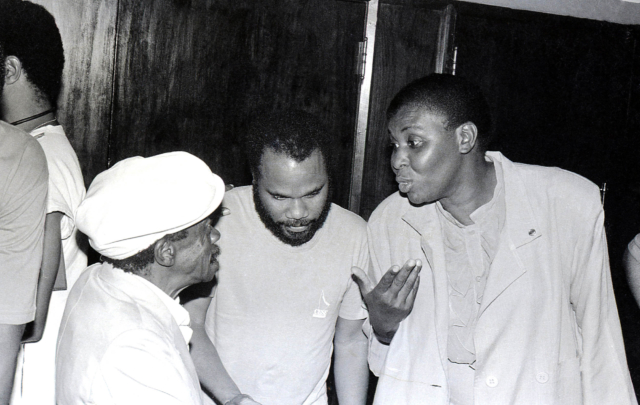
x=362, y=279
x=411, y=297
x=403, y=274
x=409, y=284
x=387, y=280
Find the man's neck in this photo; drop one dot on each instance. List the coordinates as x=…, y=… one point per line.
x=20, y=102
x=476, y=189
x=161, y=279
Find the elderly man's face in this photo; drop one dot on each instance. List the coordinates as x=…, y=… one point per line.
x=197, y=254
x=291, y=197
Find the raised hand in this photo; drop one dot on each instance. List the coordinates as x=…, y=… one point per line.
x=391, y=300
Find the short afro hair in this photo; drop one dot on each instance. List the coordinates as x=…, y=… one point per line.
x=29, y=32
x=297, y=134
x=138, y=263
x=452, y=97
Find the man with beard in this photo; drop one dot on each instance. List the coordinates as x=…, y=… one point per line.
x=124, y=336
x=23, y=192
x=285, y=296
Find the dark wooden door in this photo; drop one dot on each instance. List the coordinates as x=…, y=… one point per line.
x=190, y=74
x=409, y=43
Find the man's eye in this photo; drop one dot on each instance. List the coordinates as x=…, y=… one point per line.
x=393, y=145
x=278, y=197
x=414, y=144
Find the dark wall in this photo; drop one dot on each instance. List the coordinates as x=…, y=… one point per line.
x=84, y=106
x=190, y=74
x=148, y=77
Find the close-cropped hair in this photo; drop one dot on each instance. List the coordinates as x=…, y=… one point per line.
x=29, y=32
x=293, y=133
x=455, y=99
x=138, y=263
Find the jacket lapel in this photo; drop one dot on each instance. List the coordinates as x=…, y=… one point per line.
x=425, y=222
x=520, y=228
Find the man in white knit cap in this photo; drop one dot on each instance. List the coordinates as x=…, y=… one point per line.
x=124, y=336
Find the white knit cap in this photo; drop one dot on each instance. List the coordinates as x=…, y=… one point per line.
x=139, y=200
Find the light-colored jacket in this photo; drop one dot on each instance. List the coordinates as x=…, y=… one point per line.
x=548, y=330
x=119, y=344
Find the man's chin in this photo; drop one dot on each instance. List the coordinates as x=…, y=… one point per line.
x=213, y=270
x=295, y=238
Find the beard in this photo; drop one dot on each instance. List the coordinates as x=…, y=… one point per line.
x=278, y=228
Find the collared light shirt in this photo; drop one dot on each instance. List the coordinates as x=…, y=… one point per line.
x=469, y=252
x=177, y=311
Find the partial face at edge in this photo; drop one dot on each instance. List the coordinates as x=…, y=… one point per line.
x=425, y=156
x=291, y=197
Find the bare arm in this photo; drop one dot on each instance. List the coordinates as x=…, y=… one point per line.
x=52, y=262
x=632, y=268
x=10, y=344
x=211, y=372
x=350, y=366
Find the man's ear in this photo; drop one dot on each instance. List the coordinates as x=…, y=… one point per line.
x=467, y=134
x=164, y=252
x=13, y=68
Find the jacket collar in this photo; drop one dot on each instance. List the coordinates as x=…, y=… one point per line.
x=521, y=227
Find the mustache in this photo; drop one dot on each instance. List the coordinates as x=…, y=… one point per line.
x=215, y=252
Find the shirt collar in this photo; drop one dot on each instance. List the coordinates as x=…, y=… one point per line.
x=177, y=311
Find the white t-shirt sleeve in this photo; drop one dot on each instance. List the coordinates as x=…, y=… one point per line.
x=353, y=307
x=66, y=187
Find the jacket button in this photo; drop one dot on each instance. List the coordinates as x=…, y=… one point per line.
x=492, y=381
x=542, y=377
x=532, y=232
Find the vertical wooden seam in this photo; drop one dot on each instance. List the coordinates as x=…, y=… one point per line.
x=444, y=38
x=113, y=82
x=359, y=143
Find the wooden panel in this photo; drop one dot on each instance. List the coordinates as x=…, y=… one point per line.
x=558, y=86
x=406, y=49
x=190, y=74
x=87, y=28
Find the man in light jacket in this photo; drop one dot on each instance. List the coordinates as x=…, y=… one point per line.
x=505, y=294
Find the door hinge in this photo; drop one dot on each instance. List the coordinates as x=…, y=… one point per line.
x=361, y=58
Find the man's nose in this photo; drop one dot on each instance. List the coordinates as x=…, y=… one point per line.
x=297, y=209
x=214, y=236
x=399, y=159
